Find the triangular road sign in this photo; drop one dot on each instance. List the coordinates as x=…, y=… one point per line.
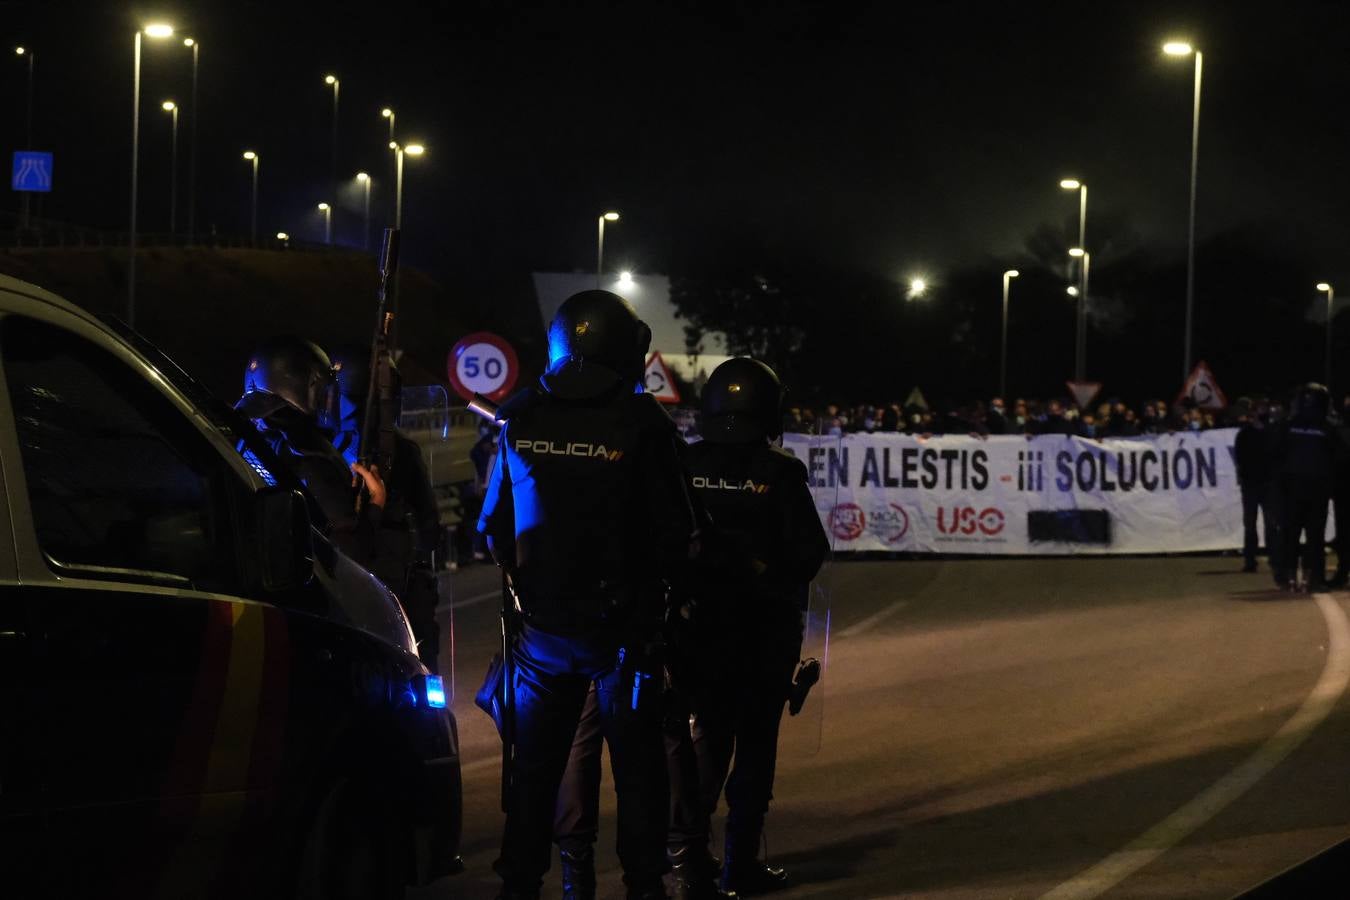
x=1203, y=389
x=1083, y=391
x=916, y=398
x=658, y=382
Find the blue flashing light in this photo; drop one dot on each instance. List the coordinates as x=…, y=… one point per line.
x=257, y=465
x=435, y=692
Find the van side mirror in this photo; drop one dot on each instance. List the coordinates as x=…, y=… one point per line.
x=285, y=542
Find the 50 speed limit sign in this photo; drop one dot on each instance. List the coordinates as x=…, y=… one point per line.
x=482, y=363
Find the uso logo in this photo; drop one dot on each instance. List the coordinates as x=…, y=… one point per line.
x=890, y=523
x=847, y=521
x=966, y=520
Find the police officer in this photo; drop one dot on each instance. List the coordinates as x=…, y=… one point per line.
x=765, y=546
x=588, y=511
x=409, y=531
x=1304, y=454
x=290, y=394
x=1251, y=456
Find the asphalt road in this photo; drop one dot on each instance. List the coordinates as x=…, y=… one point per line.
x=1161, y=727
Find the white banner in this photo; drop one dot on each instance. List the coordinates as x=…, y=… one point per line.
x=1171, y=493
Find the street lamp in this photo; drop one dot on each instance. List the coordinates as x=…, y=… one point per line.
x=1331, y=298
x=1184, y=49
x=365, y=231
x=333, y=165
x=1080, y=332
x=1008, y=276
x=399, y=151
x=327, y=222
x=26, y=54
x=195, y=46
x=626, y=281
x=917, y=288
x=253, y=206
x=389, y=114
x=172, y=109
x=283, y=236
x=156, y=31
x=610, y=216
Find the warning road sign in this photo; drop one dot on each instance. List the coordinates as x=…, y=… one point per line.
x=1202, y=388
x=32, y=172
x=1083, y=391
x=658, y=382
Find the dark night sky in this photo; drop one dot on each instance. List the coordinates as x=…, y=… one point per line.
x=894, y=137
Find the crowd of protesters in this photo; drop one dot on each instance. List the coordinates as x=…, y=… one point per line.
x=1111, y=418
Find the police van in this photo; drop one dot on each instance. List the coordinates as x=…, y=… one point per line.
x=199, y=696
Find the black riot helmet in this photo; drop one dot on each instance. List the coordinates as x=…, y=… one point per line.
x=1312, y=402
x=351, y=366
x=742, y=402
x=602, y=328
x=297, y=371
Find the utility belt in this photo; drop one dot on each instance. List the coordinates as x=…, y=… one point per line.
x=601, y=608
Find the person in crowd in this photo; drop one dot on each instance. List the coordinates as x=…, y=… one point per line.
x=1252, y=456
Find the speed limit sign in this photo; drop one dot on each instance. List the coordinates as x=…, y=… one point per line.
x=482, y=363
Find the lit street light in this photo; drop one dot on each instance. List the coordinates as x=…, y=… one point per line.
x=195, y=46
x=626, y=281
x=1183, y=49
x=1331, y=299
x=333, y=165
x=253, y=206
x=327, y=222
x=389, y=114
x=365, y=230
x=156, y=31
x=1080, y=332
x=283, y=236
x=26, y=54
x=1008, y=276
x=917, y=288
x=172, y=109
x=600, y=243
x=399, y=151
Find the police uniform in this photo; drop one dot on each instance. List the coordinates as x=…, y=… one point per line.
x=409, y=530
x=765, y=546
x=1304, y=452
x=587, y=509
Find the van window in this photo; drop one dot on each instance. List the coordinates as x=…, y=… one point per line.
x=120, y=483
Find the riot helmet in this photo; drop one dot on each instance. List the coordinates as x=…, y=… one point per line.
x=298, y=372
x=1312, y=402
x=351, y=367
x=602, y=328
x=742, y=402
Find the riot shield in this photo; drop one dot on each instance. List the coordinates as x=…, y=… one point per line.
x=804, y=722
x=425, y=418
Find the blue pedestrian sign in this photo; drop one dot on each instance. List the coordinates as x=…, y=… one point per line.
x=32, y=171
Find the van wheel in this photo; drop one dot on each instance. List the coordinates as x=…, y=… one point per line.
x=352, y=850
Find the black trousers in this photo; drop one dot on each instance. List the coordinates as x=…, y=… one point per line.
x=1304, y=506
x=1258, y=495
x=552, y=678
x=576, y=822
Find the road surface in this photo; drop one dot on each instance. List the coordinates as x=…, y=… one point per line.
x=1119, y=727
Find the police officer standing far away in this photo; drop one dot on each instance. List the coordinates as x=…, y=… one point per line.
x=588, y=511
x=765, y=546
x=1304, y=455
x=1251, y=455
x=410, y=530
x=1340, y=497
x=290, y=394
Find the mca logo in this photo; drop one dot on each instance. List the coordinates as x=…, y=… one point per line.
x=705, y=483
x=575, y=448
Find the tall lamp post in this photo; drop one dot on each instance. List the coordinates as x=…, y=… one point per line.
x=1182, y=49
x=333, y=164
x=327, y=222
x=1008, y=276
x=172, y=109
x=399, y=151
x=195, y=46
x=1080, y=332
x=157, y=31
x=27, y=54
x=1327, y=289
x=600, y=243
x=365, y=228
x=1080, y=328
x=389, y=114
x=253, y=204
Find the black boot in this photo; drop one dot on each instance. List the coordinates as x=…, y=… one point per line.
x=694, y=874
x=578, y=873
x=742, y=870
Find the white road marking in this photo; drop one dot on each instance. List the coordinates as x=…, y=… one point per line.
x=875, y=619
x=469, y=601
x=1182, y=823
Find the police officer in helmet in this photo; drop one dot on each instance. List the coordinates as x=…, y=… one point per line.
x=765, y=545
x=290, y=394
x=588, y=511
x=409, y=531
x=1305, y=455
